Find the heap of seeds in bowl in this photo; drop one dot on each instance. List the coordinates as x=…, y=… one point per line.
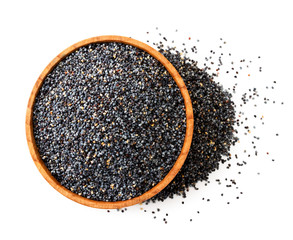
x=109, y=121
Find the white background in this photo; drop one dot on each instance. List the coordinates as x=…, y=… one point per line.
x=34, y=32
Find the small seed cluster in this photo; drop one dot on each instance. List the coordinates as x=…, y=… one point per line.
x=109, y=122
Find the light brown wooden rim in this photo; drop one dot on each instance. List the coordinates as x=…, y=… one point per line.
x=178, y=164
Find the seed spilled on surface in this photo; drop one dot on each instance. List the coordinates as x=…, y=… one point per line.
x=217, y=122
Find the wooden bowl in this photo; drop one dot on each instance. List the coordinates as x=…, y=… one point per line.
x=177, y=165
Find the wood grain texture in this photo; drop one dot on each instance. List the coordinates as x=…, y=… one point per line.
x=179, y=162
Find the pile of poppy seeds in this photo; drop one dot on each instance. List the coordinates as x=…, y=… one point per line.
x=109, y=122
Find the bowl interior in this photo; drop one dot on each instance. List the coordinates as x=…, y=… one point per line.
x=177, y=165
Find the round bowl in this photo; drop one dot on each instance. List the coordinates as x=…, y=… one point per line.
x=177, y=165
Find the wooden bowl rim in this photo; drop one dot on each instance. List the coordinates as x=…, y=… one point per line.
x=177, y=165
